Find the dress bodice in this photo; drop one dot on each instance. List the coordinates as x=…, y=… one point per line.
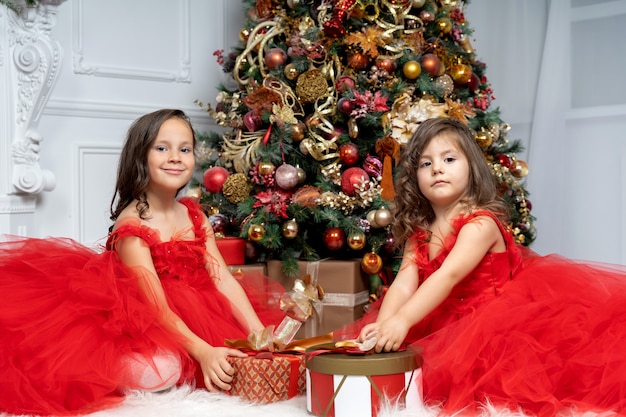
x=178, y=258
x=485, y=282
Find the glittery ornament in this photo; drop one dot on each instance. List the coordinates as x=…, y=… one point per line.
x=236, y=188
x=252, y=121
x=373, y=166
x=444, y=24
x=446, y=84
x=358, y=61
x=334, y=238
x=290, y=229
x=371, y=263
x=214, y=178
x=311, y=85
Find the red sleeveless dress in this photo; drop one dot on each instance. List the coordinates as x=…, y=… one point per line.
x=70, y=315
x=540, y=333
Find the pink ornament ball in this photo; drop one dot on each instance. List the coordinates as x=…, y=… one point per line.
x=214, y=179
x=286, y=176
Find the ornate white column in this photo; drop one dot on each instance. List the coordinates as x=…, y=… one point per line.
x=29, y=65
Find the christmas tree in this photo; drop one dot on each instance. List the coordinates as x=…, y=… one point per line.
x=328, y=93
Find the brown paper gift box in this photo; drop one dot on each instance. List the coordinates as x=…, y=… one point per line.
x=345, y=287
x=267, y=378
x=258, y=267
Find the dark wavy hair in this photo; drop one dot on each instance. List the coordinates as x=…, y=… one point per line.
x=133, y=174
x=411, y=209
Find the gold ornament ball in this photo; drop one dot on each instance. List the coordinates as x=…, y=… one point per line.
x=444, y=24
x=266, y=168
x=412, y=69
x=356, y=240
x=484, y=139
x=244, y=34
x=290, y=229
x=371, y=218
x=461, y=73
x=519, y=169
x=291, y=72
x=298, y=131
x=382, y=217
x=371, y=263
x=301, y=175
x=256, y=232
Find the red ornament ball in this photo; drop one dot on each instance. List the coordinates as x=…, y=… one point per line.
x=219, y=223
x=351, y=178
x=371, y=263
x=349, y=153
x=345, y=83
x=275, y=58
x=431, y=64
x=345, y=105
x=334, y=238
x=214, y=179
x=504, y=160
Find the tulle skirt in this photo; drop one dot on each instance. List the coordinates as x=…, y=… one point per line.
x=71, y=318
x=554, y=339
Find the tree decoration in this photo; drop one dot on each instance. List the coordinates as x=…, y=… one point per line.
x=326, y=95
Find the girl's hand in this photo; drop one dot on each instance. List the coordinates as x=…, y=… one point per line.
x=218, y=373
x=391, y=334
x=368, y=331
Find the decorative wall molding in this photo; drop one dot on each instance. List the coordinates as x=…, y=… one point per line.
x=114, y=110
x=181, y=75
x=91, y=204
x=34, y=60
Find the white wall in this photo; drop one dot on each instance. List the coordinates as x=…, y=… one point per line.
x=122, y=59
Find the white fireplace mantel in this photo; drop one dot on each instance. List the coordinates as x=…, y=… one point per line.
x=29, y=66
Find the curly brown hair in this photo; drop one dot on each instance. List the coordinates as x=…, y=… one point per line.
x=133, y=174
x=412, y=210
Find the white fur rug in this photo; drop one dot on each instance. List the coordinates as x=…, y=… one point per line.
x=185, y=402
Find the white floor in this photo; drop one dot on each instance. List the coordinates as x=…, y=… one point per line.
x=184, y=402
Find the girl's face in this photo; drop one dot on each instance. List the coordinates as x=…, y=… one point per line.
x=170, y=158
x=443, y=172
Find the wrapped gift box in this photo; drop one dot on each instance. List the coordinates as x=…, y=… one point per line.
x=249, y=268
x=346, y=385
x=268, y=377
x=345, y=292
x=233, y=250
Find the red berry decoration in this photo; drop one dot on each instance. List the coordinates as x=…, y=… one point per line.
x=349, y=153
x=214, y=179
x=334, y=238
x=351, y=178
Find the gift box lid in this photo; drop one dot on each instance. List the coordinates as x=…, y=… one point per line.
x=369, y=364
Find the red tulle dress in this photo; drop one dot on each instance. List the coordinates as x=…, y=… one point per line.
x=71, y=316
x=523, y=331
